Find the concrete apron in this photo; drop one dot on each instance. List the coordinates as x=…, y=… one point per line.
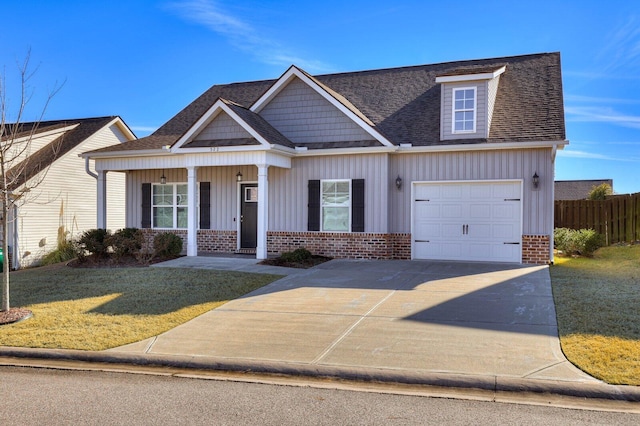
x=409, y=317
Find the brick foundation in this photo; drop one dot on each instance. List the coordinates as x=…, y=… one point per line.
x=342, y=245
x=213, y=241
x=536, y=249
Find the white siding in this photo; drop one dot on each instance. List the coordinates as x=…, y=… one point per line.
x=303, y=115
x=66, y=201
x=477, y=165
x=222, y=127
x=446, y=111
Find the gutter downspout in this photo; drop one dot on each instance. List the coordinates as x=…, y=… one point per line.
x=86, y=168
x=554, y=151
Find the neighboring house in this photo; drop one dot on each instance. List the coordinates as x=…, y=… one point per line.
x=577, y=189
x=63, y=204
x=450, y=161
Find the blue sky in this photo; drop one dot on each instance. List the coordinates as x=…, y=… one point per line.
x=146, y=60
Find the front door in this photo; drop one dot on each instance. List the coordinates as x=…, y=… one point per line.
x=248, y=215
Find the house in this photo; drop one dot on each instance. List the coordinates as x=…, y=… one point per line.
x=577, y=189
x=451, y=161
x=64, y=202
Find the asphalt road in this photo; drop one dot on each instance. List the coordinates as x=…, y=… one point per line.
x=62, y=397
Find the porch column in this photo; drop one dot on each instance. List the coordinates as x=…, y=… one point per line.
x=102, y=200
x=263, y=211
x=192, y=210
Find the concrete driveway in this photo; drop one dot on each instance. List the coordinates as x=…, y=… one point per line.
x=414, y=317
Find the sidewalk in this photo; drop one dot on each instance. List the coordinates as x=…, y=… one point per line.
x=472, y=326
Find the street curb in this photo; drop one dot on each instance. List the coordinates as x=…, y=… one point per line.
x=496, y=384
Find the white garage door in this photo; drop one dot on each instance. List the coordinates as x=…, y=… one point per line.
x=475, y=221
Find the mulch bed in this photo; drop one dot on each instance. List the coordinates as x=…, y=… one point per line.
x=305, y=264
x=14, y=315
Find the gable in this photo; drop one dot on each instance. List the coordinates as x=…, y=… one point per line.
x=222, y=127
x=303, y=116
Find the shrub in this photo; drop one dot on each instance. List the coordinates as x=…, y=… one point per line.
x=600, y=192
x=577, y=242
x=95, y=241
x=66, y=250
x=127, y=241
x=298, y=255
x=167, y=244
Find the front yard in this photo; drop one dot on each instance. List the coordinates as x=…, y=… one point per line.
x=96, y=309
x=598, y=307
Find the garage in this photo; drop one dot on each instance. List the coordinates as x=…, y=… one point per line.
x=467, y=220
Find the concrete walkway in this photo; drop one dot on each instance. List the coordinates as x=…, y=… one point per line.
x=412, y=318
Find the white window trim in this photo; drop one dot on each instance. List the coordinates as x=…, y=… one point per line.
x=322, y=181
x=453, y=109
x=174, y=205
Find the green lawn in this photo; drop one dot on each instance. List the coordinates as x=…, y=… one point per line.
x=96, y=309
x=598, y=306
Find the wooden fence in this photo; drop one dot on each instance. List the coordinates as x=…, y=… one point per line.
x=617, y=217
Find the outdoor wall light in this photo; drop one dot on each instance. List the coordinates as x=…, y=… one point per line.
x=163, y=178
x=239, y=177
x=536, y=180
x=398, y=182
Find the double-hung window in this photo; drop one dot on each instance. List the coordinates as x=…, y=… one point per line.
x=464, y=110
x=169, y=206
x=335, y=204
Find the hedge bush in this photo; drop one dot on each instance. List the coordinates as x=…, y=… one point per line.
x=167, y=244
x=298, y=255
x=582, y=242
x=95, y=241
x=126, y=241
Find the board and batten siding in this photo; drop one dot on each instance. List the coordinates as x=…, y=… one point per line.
x=222, y=127
x=477, y=165
x=67, y=198
x=304, y=116
x=288, y=193
x=446, y=110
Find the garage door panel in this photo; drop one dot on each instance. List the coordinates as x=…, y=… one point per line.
x=468, y=221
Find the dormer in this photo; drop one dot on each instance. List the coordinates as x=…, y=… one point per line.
x=468, y=97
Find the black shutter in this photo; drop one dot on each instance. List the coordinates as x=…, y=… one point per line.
x=146, y=205
x=205, y=205
x=357, y=205
x=314, y=206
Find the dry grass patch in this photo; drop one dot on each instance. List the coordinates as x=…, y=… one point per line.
x=597, y=304
x=97, y=309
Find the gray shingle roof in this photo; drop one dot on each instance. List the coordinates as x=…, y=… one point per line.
x=404, y=103
x=45, y=156
x=577, y=189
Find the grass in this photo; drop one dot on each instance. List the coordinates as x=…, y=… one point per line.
x=97, y=309
x=598, y=307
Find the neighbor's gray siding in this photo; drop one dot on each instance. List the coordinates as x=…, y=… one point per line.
x=478, y=165
x=304, y=116
x=446, y=111
x=288, y=193
x=222, y=127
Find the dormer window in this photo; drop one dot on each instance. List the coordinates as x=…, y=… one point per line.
x=464, y=110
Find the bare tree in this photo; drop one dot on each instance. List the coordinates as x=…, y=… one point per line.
x=21, y=170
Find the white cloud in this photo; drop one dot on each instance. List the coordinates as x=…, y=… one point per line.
x=242, y=35
x=568, y=153
x=601, y=115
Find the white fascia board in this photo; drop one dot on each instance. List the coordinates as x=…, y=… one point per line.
x=37, y=134
x=123, y=128
x=346, y=151
x=125, y=154
x=292, y=72
x=470, y=77
x=483, y=147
